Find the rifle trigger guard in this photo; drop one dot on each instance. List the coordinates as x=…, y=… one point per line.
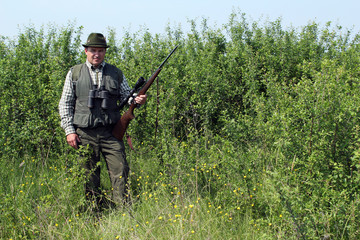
x=132, y=99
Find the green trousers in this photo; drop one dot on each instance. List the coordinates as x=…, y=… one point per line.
x=101, y=141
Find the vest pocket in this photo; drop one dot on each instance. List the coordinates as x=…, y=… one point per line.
x=81, y=120
x=112, y=86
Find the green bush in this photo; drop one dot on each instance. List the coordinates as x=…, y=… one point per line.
x=251, y=131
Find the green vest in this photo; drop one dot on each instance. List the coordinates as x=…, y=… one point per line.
x=85, y=117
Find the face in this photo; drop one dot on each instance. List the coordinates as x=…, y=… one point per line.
x=95, y=55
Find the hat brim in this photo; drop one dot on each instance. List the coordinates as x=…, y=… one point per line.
x=94, y=45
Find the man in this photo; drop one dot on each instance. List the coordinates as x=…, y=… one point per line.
x=88, y=109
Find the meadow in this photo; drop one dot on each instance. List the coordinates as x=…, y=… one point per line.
x=251, y=131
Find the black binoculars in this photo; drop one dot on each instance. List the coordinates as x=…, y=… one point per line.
x=101, y=93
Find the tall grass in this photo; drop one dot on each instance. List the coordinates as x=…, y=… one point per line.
x=170, y=201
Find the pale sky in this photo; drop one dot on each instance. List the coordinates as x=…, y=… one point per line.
x=131, y=15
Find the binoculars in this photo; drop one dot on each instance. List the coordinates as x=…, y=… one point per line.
x=96, y=93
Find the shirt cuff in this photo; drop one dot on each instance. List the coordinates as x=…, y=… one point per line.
x=69, y=130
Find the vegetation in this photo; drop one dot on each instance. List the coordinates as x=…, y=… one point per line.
x=251, y=132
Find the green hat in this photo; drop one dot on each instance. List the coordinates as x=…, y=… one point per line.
x=96, y=40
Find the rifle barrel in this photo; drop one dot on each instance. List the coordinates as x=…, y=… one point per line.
x=168, y=57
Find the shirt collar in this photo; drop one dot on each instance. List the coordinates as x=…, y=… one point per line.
x=90, y=66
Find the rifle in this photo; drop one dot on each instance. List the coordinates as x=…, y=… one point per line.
x=121, y=126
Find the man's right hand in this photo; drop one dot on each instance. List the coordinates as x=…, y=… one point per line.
x=73, y=140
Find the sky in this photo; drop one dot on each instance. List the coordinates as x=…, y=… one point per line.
x=156, y=15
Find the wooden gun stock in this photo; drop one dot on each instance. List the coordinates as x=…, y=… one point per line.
x=121, y=126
